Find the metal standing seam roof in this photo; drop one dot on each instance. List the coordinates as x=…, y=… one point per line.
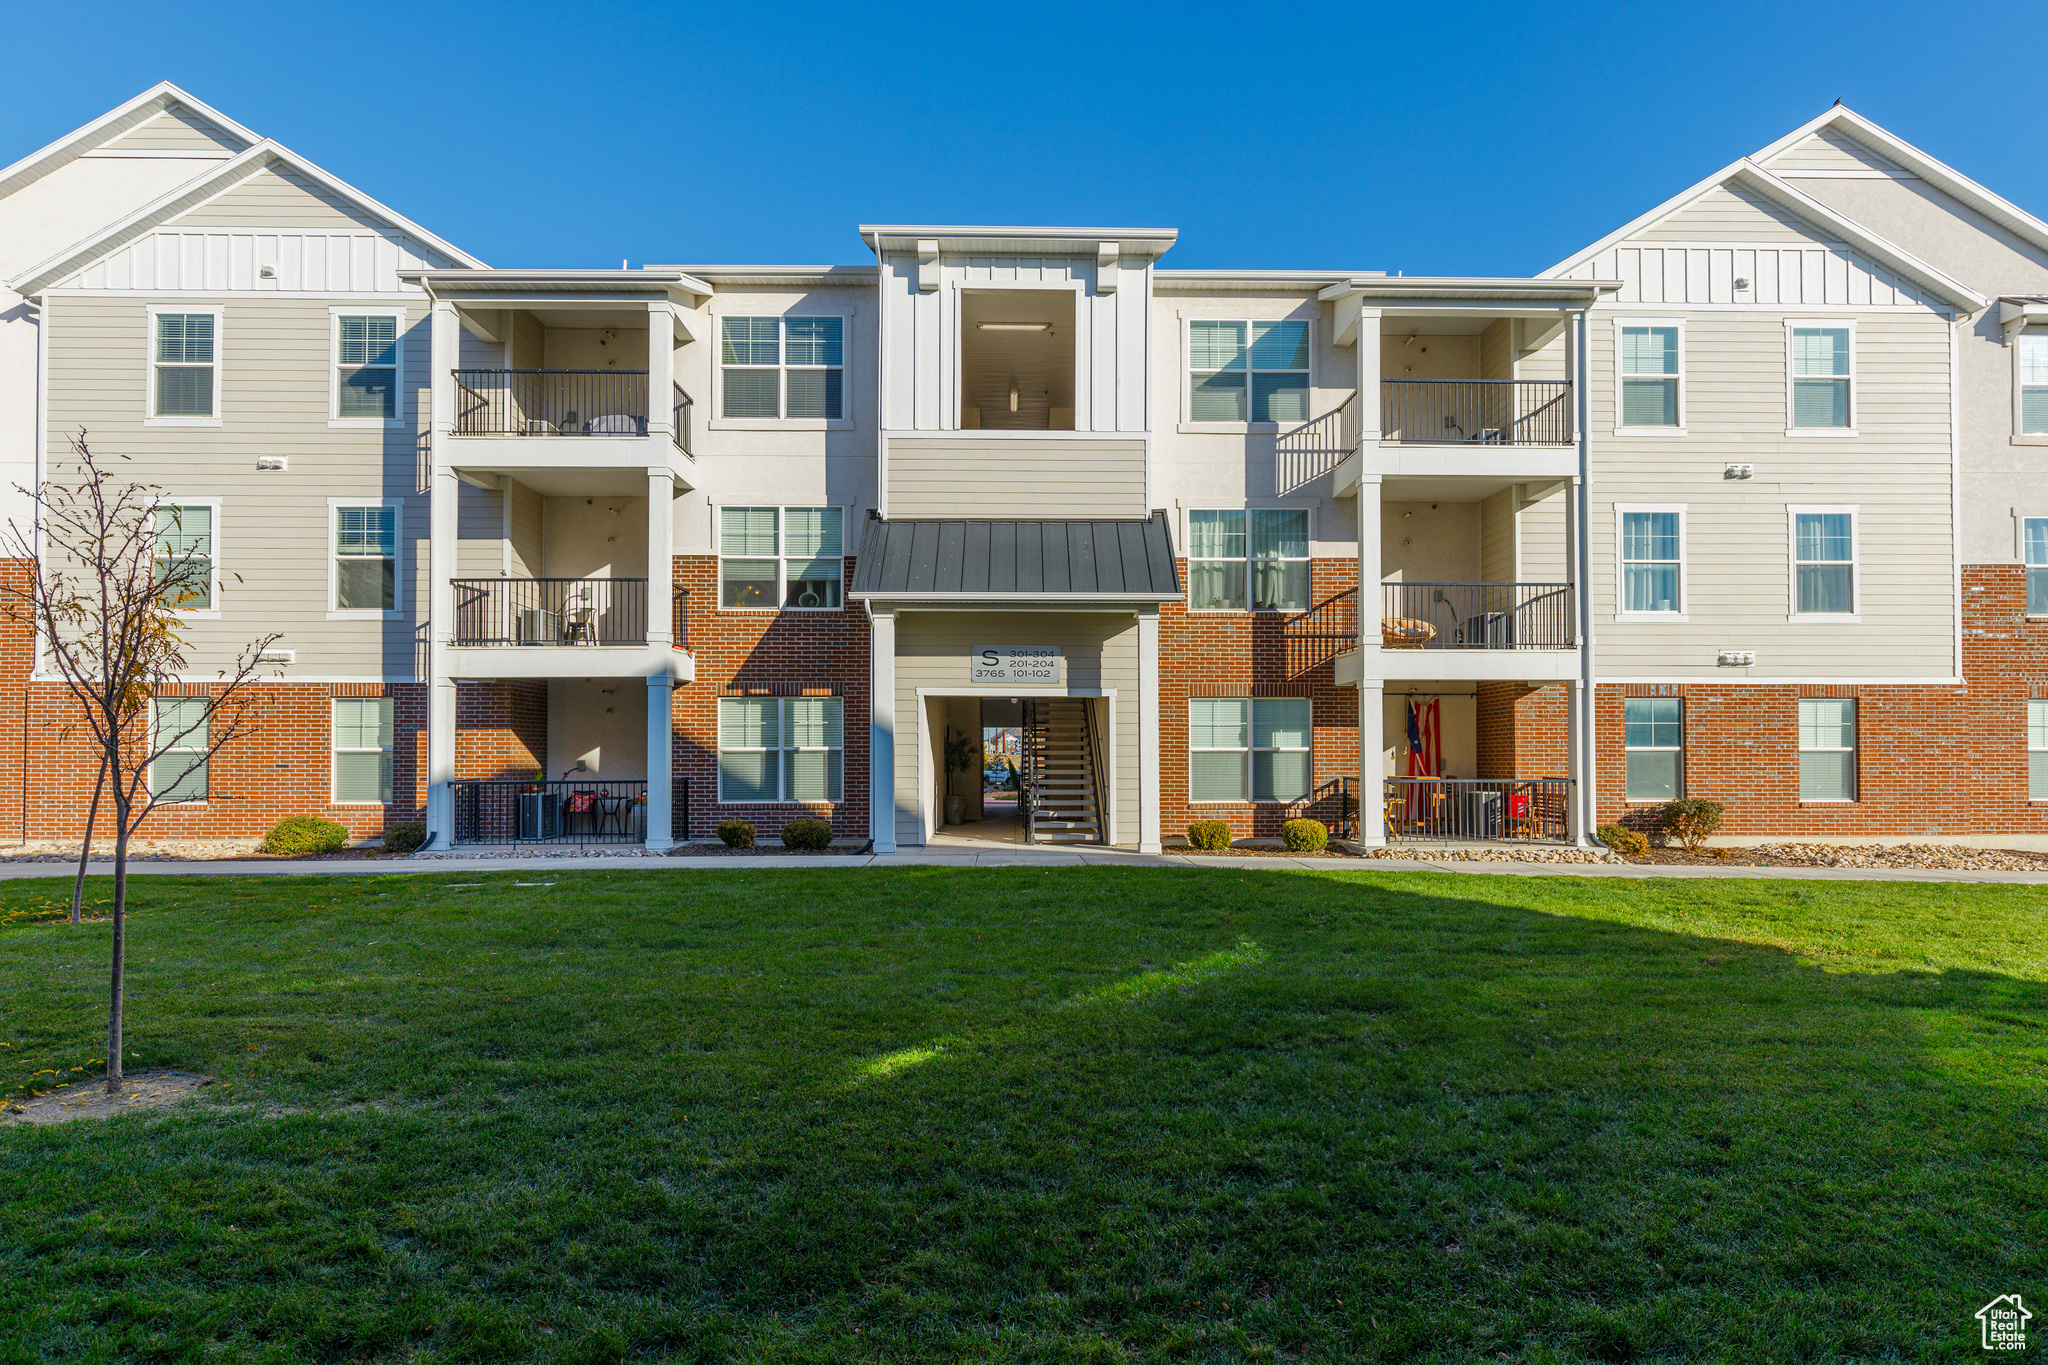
x=1050, y=559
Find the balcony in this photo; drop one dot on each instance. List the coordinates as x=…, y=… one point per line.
x=593, y=403
x=1477, y=631
x=1522, y=810
x=1510, y=412
x=550, y=611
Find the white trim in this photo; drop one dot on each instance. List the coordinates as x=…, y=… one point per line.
x=715, y=419
x=1621, y=379
x=1792, y=326
x=149, y=364
x=1854, y=750
x=1627, y=749
x=1186, y=519
x=335, y=313
x=1621, y=613
x=1249, y=750
x=149, y=744
x=1853, y=615
x=781, y=556
x=211, y=613
x=927, y=797
x=1730, y=677
x=111, y=127
x=1189, y=425
x=781, y=798
x=334, y=751
x=2019, y=337
x=397, y=611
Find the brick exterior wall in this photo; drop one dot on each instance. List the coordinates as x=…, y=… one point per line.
x=1523, y=731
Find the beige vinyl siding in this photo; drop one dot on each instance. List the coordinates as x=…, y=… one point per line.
x=1738, y=570
x=274, y=529
x=1730, y=213
x=529, y=342
x=1496, y=350
x=1497, y=537
x=1551, y=360
x=1541, y=527
x=993, y=476
x=479, y=532
x=278, y=198
x=177, y=129
x=1829, y=150
x=527, y=508
x=1098, y=650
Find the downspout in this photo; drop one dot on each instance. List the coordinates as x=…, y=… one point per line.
x=1582, y=504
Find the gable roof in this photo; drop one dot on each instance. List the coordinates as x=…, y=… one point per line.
x=110, y=127
x=214, y=182
x=1747, y=174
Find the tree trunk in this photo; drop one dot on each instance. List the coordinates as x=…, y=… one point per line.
x=120, y=944
x=85, y=849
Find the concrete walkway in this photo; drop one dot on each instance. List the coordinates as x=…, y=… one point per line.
x=535, y=869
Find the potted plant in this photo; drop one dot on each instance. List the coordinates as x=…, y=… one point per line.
x=960, y=758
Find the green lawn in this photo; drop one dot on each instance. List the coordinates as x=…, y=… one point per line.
x=1074, y=1114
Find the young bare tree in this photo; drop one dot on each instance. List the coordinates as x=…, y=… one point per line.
x=111, y=569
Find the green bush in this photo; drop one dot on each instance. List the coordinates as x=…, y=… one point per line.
x=736, y=833
x=1305, y=836
x=1209, y=834
x=404, y=837
x=297, y=835
x=1690, y=819
x=808, y=832
x=1626, y=842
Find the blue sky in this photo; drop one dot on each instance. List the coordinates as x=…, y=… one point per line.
x=1330, y=137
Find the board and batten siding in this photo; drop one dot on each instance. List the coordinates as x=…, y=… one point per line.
x=1738, y=577
x=986, y=475
x=273, y=530
x=1098, y=650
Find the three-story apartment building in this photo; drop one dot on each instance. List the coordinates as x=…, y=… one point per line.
x=1743, y=501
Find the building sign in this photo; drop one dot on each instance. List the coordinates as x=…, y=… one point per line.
x=1016, y=665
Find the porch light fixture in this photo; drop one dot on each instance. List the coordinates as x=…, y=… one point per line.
x=1013, y=326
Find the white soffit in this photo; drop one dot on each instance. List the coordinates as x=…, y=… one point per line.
x=967, y=239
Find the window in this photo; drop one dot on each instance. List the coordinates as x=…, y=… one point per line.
x=2034, y=381
x=1654, y=731
x=1266, y=548
x=2034, y=545
x=1649, y=376
x=1821, y=378
x=184, y=554
x=783, y=367
x=183, y=360
x=365, y=557
x=1255, y=745
x=362, y=750
x=779, y=555
x=780, y=749
x=1827, y=749
x=1224, y=372
x=1824, y=561
x=1652, y=555
x=2037, y=750
x=179, y=773
x=366, y=366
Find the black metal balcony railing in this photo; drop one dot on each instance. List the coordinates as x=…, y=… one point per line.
x=594, y=811
x=682, y=419
x=1512, y=809
x=1477, y=616
x=551, y=402
x=1516, y=412
x=550, y=611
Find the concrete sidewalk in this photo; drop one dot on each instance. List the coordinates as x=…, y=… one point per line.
x=537, y=868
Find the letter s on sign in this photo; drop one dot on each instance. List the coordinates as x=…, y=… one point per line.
x=988, y=658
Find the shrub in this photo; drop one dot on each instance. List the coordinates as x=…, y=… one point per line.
x=1626, y=842
x=1305, y=836
x=1209, y=834
x=404, y=837
x=1690, y=819
x=297, y=835
x=736, y=833
x=808, y=832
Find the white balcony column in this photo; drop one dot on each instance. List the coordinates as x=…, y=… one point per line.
x=661, y=368
x=1372, y=763
x=661, y=775
x=661, y=559
x=1368, y=377
x=1148, y=731
x=444, y=494
x=1372, y=823
x=441, y=696
x=882, y=729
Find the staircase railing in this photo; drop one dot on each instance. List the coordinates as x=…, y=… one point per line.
x=1092, y=739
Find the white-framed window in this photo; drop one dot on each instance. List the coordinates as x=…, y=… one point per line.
x=1250, y=748
x=780, y=750
x=1654, y=734
x=780, y=558
x=2034, y=553
x=1650, y=546
x=1820, y=361
x=367, y=375
x=2031, y=399
x=1648, y=355
x=184, y=365
x=362, y=751
x=363, y=559
x=1241, y=370
x=188, y=550
x=179, y=727
x=782, y=368
x=1827, y=749
x=1823, y=562
x=2037, y=749
x=1256, y=557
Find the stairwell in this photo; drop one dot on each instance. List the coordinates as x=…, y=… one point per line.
x=1065, y=791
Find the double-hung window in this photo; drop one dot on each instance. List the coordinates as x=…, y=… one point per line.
x=1249, y=748
x=1652, y=560
x=1823, y=377
x=366, y=371
x=1654, y=731
x=2033, y=362
x=179, y=772
x=365, y=557
x=1824, y=561
x=782, y=367
x=786, y=557
x=184, y=362
x=1242, y=371
x=362, y=750
x=1827, y=749
x=1649, y=376
x=184, y=554
x=2037, y=750
x=1263, y=548
x=780, y=749
x=2034, y=550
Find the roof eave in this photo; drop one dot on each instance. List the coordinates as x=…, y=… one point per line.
x=85, y=138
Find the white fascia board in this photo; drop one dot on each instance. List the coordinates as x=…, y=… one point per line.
x=110, y=126
x=1462, y=289
x=488, y=283
x=882, y=237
